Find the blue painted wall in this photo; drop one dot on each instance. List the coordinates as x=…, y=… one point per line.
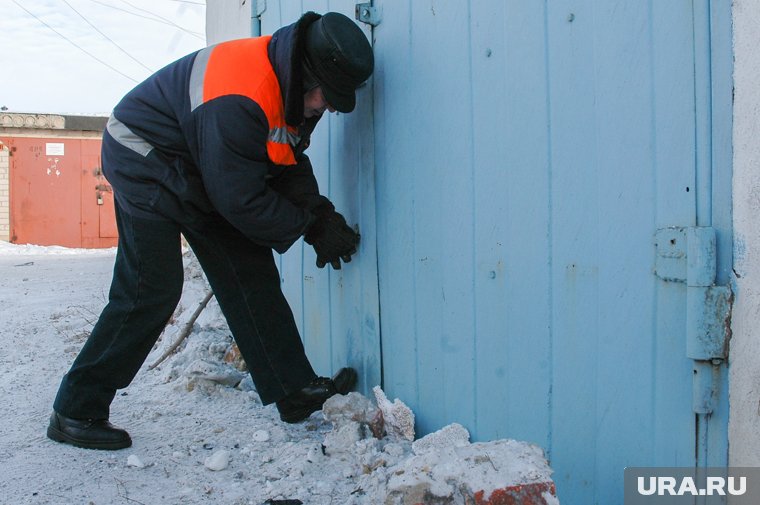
x=509, y=165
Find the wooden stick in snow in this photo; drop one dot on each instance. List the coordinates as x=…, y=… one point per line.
x=185, y=330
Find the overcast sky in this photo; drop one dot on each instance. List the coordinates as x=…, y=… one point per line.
x=43, y=71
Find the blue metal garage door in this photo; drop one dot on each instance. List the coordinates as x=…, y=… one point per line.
x=536, y=183
x=527, y=153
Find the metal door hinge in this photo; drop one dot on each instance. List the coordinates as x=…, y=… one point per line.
x=368, y=14
x=689, y=255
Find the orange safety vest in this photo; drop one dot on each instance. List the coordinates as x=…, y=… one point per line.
x=242, y=67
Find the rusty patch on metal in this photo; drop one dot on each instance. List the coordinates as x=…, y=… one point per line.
x=727, y=322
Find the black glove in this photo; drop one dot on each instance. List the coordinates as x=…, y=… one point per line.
x=331, y=237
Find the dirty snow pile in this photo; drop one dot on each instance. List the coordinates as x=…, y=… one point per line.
x=199, y=431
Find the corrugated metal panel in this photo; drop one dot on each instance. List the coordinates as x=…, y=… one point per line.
x=527, y=152
x=337, y=311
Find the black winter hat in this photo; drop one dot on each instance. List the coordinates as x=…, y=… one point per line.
x=339, y=56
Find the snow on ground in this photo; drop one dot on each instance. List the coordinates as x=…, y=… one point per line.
x=200, y=434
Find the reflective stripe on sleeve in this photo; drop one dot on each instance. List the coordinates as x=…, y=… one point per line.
x=125, y=137
x=197, y=76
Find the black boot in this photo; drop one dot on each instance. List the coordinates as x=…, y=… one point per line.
x=87, y=433
x=301, y=404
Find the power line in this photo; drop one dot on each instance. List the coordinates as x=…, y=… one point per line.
x=146, y=17
x=164, y=19
x=74, y=43
x=108, y=38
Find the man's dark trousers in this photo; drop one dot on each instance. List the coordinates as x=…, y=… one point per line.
x=146, y=287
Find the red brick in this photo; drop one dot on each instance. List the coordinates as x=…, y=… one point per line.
x=525, y=494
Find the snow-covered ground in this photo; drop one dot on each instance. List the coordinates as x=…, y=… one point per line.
x=200, y=435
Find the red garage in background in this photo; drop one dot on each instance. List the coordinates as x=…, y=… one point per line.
x=56, y=193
